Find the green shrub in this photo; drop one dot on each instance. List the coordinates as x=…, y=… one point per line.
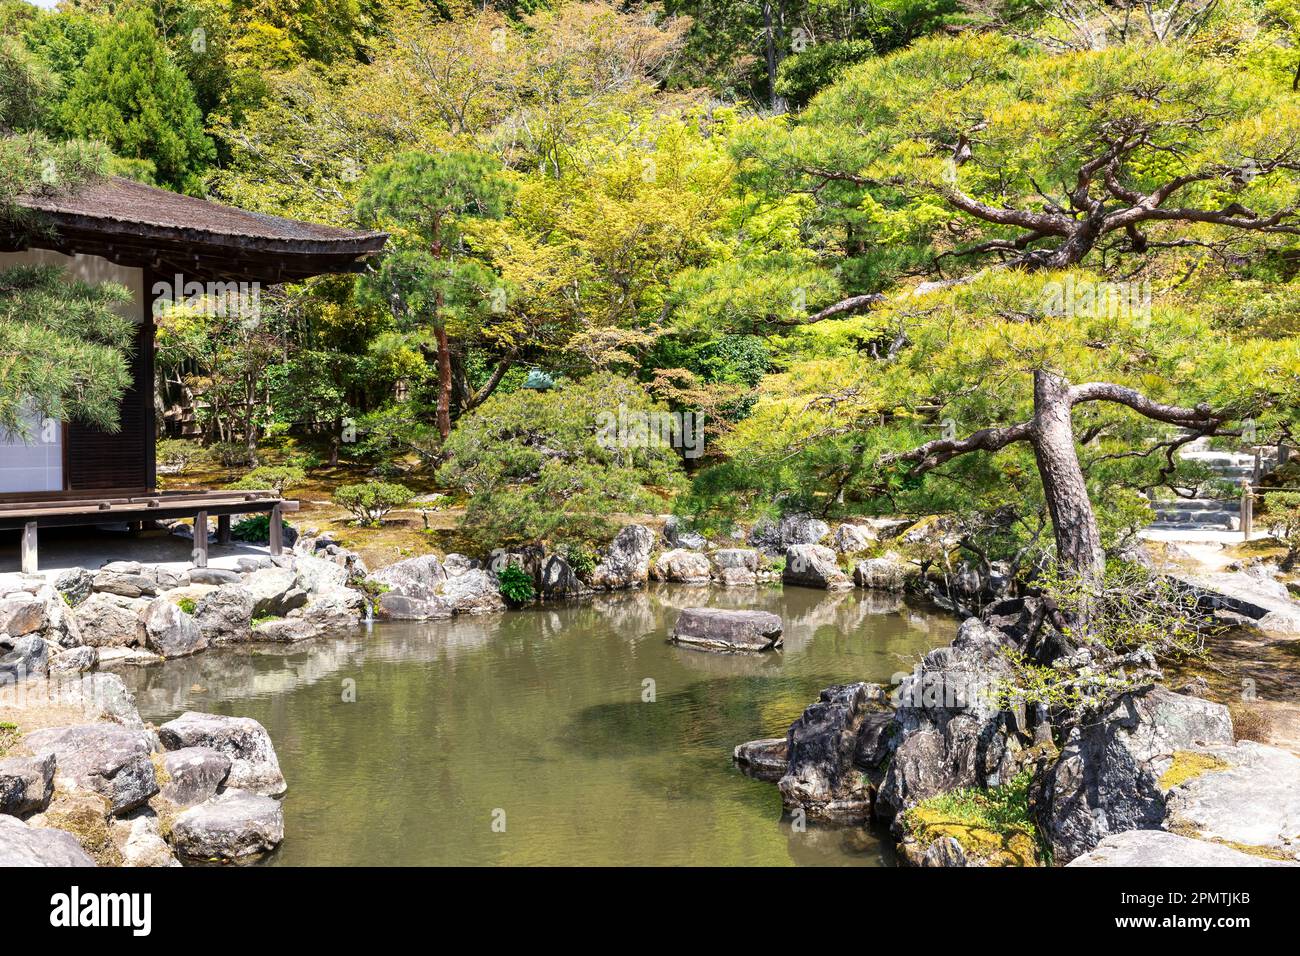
x=515, y=584
x=1282, y=518
x=255, y=529
x=176, y=454
x=580, y=559
x=306, y=460
x=370, y=501
x=233, y=454
x=559, y=465
x=277, y=478
x=187, y=604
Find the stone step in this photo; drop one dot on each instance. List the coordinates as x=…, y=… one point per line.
x=1195, y=504
x=1227, y=524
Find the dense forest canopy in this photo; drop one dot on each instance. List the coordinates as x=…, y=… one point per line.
x=990, y=257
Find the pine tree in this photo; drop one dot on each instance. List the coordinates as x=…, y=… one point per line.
x=132, y=96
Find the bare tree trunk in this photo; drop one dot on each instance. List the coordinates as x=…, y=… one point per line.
x=1078, y=542
x=772, y=30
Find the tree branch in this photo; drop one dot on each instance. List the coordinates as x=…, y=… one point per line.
x=854, y=303
x=935, y=453
x=1202, y=417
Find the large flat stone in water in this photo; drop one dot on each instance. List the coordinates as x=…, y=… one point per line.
x=717, y=629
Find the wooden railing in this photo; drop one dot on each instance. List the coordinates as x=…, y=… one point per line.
x=1249, y=493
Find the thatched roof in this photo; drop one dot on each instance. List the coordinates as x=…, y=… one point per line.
x=137, y=225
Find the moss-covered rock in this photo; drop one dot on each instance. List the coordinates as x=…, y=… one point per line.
x=1188, y=765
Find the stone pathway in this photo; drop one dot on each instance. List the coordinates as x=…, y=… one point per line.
x=1228, y=806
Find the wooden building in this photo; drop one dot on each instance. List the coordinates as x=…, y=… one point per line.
x=160, y=245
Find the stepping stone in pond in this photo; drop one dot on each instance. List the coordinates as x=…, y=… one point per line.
x=720, y=630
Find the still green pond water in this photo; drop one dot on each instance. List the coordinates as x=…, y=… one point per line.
x=565, y=735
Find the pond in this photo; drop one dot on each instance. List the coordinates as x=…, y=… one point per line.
x=559, y=735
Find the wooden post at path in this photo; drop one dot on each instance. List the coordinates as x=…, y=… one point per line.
x=277, y=531
x=201, y=540
x=1247, y=508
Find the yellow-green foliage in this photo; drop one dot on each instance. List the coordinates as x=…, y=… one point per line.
x=1188, y=765
x=9, y=737
x=992, y=826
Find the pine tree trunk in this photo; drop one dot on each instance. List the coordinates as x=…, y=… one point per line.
x=1078, y=542
x=444, y=383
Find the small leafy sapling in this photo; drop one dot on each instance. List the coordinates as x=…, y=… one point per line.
x=369, y=502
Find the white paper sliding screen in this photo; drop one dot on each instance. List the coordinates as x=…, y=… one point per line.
x=34, y=463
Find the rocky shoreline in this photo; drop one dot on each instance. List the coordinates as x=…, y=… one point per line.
x=1098, y=782
x=106, y=789
x=1135, y=777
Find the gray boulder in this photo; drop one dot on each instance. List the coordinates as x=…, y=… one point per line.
x=317, y=575
x=195, y=774
x=21, y=613
x=775, y=537
x=455, y=564
x=766, y=759
x=138, y=838
x=744, y=559
x=1107, y=779
x=1160, y=848
x=24, y=658
x=1249, y=796
x=75, y=584
x=105, y=696
x=225, y=615
x=61, y=627
x=559, y=581
x=737, y=578
x=41, y=612
x=736, y=567
x=127, y=579
x=26, y=784
x=286, y=630
x=951, y=731
x=107, y=620
x=253, y=764
x=471, y=592
x=717, y=629
x=799, y=529
x=399, y=607
x=814, y=566
x=852, y=538
x=23, y=845
x=111, y=760
x=336, y=611
x=675, y=536
x=413, y=578
x=275, y=592
x=889, y=572
x=77, y=660
x=171, y=632
x=627, y=560
x=213, y=576
x=683, y=566
x=233, y=826
x=824, y=777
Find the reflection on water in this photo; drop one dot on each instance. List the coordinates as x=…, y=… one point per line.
x=537, y=718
